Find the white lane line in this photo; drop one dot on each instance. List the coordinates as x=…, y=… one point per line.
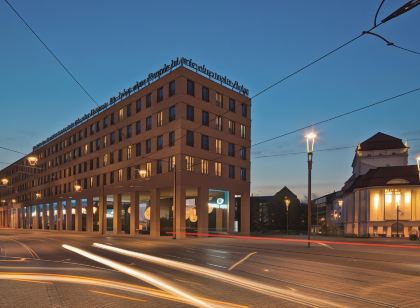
x=242, y=260
x=181, y=258
x=141, y=275
x=215, y=265
x=325, y=245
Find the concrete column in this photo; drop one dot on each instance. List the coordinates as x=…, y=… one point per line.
x=59, y=216
x=117, y=214
x=89, y=214
x=78, y=218
x=44, y=216
x=155, y=212
x=245, y=218
x=68, y=214
x=102, y=211
x=180, y=209
x=231, y=213
x=406, y=233
x=134, y=212
x=202, y=209
x=51, y=217
x=35, y=219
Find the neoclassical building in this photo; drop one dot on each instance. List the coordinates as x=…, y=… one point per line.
x=170, y=153
x=382, y=197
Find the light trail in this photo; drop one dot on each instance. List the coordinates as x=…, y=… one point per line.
x=291, y=240
x=144, y=276
x=118, y=296
x=225, y=277
x=111, y=284
x=242, y=260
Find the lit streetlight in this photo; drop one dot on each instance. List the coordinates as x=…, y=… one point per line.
x=4, y=181
x=32, y=160
x=77, y=187
x=310, y=142
x=418, y=165
x=287, y=203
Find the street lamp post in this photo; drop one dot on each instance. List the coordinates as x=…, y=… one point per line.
x=418, y=165
x=287, y=203
x=310, y=141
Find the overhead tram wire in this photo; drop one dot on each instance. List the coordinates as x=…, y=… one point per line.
x=52, y=53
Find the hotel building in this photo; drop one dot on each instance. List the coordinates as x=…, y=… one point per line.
x=183, y=136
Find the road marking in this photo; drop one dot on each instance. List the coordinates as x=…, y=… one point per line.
x=181, y=258
x=119, y=296
x=242, y=260
x=325, y=245
x=215, y=265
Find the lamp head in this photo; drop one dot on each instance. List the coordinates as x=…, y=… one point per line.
x=142, y=173
x=32, y=160
x=310, y=141
x=4, y=181
x=77, y=188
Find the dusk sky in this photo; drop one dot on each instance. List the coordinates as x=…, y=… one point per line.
x=109, y=45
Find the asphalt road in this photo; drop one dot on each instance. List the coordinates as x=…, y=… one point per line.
x=118, y=271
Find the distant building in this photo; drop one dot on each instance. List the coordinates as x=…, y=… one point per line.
x=327, y=214
x=382, y=197
x=268, y=213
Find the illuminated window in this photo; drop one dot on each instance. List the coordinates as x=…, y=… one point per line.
x=231, y=126
x=120, y=114
x=105, y=161
x=105, y=138
x=171, y=163
x=218, y=169
x=86, y=148
x=120, y=175
x=243, y=131
x=91, y=182
x=148, y=169
x=218, y=146
x=129, y=152
x=204, y=166
x=219, y=123
x=190, y=162
x=159, y=119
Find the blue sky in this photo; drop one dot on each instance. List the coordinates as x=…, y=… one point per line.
x=111, y=44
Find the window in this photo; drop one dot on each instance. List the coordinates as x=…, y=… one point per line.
x=218, y=146
x=190, y=138
x=243, y=153
x=149, y=123
x=231, y=149
x=129, y=152
x=128, y=173
x=159, y=166
x=205, y=118
x=105, y=122
x=190, y=163
x=205, y=142
x=148, y=169
x=120, y=114
x=138, y=105
x=244, y=110
x=105, y=160
x=120, y=175
x=232, y=105
x=111, y=157
x=120, y=135
x=112, y=138
x=159, y=142
x=138, y=149
x=148, y=146
x=190, y=87
x=98, y=144
x=86, y=148
x=128, y=110
x=243, y=174
x=120, y=156
x=231, y=171
x=243, y=131
x=159, y=119
x=218, y=169
x=231, y=126
x=171, y=163
x=219, y=100
x=92, y=129
x=138, y=127
x=190, y=113
x=129, y=131
x=149, y=100
x=160, y=94
x=172, y=113
x=171, y=139
x=204, y=166
x=172, y=87
x=97, y=127
x=104, y=179
x=205, y=94
x=112, y=119
x=219, y=123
